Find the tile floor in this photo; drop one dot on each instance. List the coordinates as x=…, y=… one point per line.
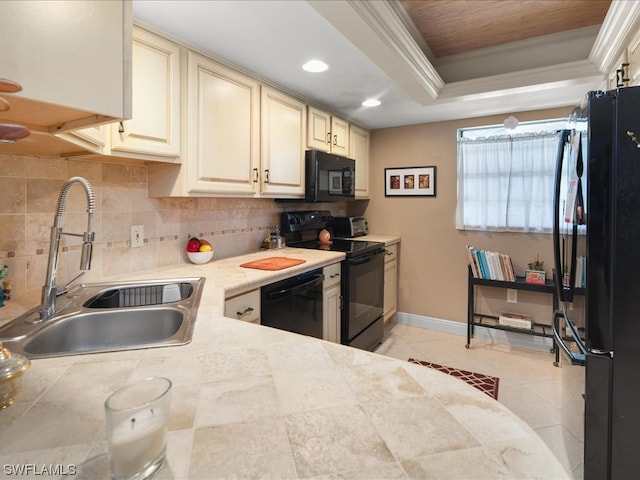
x=529, y=382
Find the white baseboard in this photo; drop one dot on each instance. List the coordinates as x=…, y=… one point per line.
x=484, y=333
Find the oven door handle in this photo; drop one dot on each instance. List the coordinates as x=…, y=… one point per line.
x=364, y=258
x=286, y=292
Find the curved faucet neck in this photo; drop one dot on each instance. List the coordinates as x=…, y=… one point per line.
x=50, y=290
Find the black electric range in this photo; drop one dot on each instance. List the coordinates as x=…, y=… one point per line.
x=362, y=283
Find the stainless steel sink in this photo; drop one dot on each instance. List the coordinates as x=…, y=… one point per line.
x=106, y=317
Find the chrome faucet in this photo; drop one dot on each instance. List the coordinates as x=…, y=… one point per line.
x=50, y=290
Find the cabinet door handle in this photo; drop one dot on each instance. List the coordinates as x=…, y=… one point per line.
x=246, y=310
x=329, y=138
x=255, y=175
x=335, y=139
x=266, y=176
x=622, y=75
x=121, y=128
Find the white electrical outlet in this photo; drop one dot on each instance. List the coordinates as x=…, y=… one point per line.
x=512, y=295
x=137, y=236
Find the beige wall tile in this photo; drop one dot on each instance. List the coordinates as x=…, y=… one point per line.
x=233, y=226
x=14, y=195
x=116, y=174
x=13, y=232
x=42, y=195
x=50, y=168
x=13, y=166
x=116, y=197
x=92, y=171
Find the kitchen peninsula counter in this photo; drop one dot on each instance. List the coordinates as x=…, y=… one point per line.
x=251, y=401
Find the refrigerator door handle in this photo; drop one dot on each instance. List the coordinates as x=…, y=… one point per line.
x=597, y=351
x=575, y=358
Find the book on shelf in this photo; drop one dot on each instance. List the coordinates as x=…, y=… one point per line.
x=515, y=320
x=581, y=272
x=490, y=265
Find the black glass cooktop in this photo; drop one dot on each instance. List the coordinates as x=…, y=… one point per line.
x=350, y=247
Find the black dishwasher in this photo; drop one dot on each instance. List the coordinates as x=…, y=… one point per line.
x=294, y=304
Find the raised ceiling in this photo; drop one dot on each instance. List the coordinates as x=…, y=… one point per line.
x=374, y=49
x=457, y=26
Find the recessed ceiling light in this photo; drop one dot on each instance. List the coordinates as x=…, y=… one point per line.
x=315, y=66
x=371, y=102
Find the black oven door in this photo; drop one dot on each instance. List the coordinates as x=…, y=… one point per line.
x=364, y=284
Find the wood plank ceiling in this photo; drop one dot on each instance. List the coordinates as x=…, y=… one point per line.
x=457, y=26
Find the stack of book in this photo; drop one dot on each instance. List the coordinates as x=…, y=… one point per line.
x=490, y=265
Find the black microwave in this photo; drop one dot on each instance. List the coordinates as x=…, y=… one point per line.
x=328, y=177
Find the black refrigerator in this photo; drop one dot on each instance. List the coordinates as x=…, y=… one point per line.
x=597, y=242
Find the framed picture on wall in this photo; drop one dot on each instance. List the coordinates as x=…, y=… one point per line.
x=410, y=181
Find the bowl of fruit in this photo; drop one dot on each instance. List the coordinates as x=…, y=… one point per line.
x=199, y=250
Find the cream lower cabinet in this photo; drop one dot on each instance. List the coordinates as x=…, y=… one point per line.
x=390, y=300
x=245, y=307
x=331, y=303
x=359, y=151
x=326, y=132
x=283, y=125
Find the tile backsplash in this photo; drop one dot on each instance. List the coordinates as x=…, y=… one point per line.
x=29, y=189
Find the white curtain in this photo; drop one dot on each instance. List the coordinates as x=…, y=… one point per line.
x=506, y=183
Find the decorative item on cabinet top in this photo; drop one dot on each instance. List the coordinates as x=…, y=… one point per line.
x=10, y=132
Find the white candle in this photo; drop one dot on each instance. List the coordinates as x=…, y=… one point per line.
x=137, y=442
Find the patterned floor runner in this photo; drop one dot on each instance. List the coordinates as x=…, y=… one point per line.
x=482, y=382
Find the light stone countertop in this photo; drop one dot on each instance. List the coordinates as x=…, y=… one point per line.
x=250, y=401
x=386, y=239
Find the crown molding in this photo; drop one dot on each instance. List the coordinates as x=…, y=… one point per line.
x=571, y=73
x=387, y=21
x=619, y=24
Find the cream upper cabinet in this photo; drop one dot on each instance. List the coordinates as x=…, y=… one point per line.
x=319, y=129
x=223, y=129
x=633, y=58
x=617, y=77
x=72, y=60
x=93, y=139
x=327, y=133
x=154, y=128
x=153, y=133
x=283, y=125
x=339, y=136
x=359, y=151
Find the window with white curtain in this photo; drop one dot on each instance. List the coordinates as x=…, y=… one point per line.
x=505, y=182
